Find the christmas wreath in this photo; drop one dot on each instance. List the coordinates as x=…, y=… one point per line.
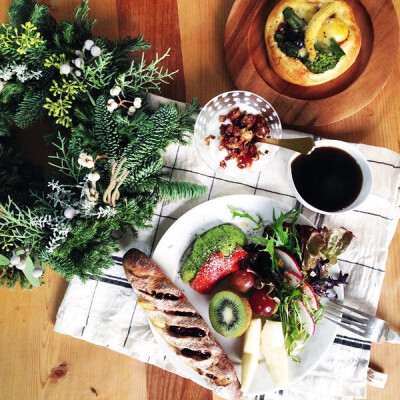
x=107, y=174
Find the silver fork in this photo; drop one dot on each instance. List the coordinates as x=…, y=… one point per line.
x=358, y=322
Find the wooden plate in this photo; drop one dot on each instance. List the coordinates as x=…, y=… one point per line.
x=248, y=66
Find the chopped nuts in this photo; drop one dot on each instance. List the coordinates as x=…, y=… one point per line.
x=240, y=136
x=207, y=139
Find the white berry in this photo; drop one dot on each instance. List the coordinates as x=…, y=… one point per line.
x=88, y=44
x=115, y=91
x=111, y=105
x=21, y=265
x=78, y=53
x=93, y=176
x=14, y=260
x=131, y=110
x=78, y=72
x=37, y=272
x=137, y=102
x=79, y=62
x=95, y=51
x=85, y=160
x=89, y=164
x=69, y=212
x=65, y=69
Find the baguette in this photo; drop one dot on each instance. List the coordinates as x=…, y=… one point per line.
x=180, y=325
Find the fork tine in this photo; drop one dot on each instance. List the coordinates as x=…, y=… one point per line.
x=337, y=309
x=363, y=314
x=347, y=327
x=347, y=321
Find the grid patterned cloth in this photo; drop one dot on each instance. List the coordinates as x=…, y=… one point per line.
x=105, y=312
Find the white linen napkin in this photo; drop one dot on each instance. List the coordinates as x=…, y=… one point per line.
x=105, y=312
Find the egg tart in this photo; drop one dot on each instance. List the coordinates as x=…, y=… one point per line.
x=311, y=42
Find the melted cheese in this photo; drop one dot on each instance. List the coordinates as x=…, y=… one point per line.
x=306, y=12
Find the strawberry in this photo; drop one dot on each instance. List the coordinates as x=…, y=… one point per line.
x=215, y=268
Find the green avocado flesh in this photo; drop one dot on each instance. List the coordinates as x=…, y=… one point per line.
x=223, y=238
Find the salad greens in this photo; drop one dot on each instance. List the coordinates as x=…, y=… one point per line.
x=313, y=250
x=236, y=213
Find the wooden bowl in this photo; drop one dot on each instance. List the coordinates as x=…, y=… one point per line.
x=247, y=61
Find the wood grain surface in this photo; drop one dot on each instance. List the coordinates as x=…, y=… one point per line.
x=38, y=364
x=246, y=58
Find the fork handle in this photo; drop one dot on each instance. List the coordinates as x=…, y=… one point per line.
x=392, y=337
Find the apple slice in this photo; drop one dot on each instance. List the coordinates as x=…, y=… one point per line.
x=251, y=353
x=309, y=292
x=293, y=279
x=306, y=318
x=274, y=352
x=289, y=262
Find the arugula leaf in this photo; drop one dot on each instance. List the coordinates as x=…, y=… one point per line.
x=236, y=213
x=285, y=237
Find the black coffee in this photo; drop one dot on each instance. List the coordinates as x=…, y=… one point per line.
x=329, y=178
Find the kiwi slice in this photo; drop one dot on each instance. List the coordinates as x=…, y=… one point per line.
x=230, y=314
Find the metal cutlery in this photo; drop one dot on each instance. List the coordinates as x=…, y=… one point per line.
x=358, y=322
x=304, y=145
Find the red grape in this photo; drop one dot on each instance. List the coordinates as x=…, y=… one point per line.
x=261, y=303
x=242, y=280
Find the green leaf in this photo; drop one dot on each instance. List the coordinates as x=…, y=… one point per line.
x=236, y=213
x=30, y=266
x=4, y=260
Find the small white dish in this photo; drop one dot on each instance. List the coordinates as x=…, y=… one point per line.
x=367, y=177
x=208, y=123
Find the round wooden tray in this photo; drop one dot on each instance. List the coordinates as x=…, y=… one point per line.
x=248, y=66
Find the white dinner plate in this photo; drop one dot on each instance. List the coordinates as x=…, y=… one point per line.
x=170, y=254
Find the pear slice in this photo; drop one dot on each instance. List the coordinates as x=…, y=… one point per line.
x=274, y=351
x=251, y=353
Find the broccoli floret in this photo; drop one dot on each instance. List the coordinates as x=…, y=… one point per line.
x=286, y=46
x=327, y=57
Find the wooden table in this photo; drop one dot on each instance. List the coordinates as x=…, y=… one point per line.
x=37, y=363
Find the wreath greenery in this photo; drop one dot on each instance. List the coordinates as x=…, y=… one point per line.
x=107, y=172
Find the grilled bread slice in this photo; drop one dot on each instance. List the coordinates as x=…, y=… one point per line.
x=180, y=325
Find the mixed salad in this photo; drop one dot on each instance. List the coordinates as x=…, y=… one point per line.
x=275, y=279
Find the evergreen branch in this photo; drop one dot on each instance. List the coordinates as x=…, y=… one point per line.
x=10, y=277
x=16, y=227
x=20, y=11
x=106, y=130
x=168, y=190
x=30, y=110
x=66, y=164
x=141, y=77
x=96, y=75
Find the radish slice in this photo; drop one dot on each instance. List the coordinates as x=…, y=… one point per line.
x=289, y=262
x=306, y=318
x=293, y=279
x=309, y=292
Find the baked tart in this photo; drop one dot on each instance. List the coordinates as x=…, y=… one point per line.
x=310, y=42
x=180, y=325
